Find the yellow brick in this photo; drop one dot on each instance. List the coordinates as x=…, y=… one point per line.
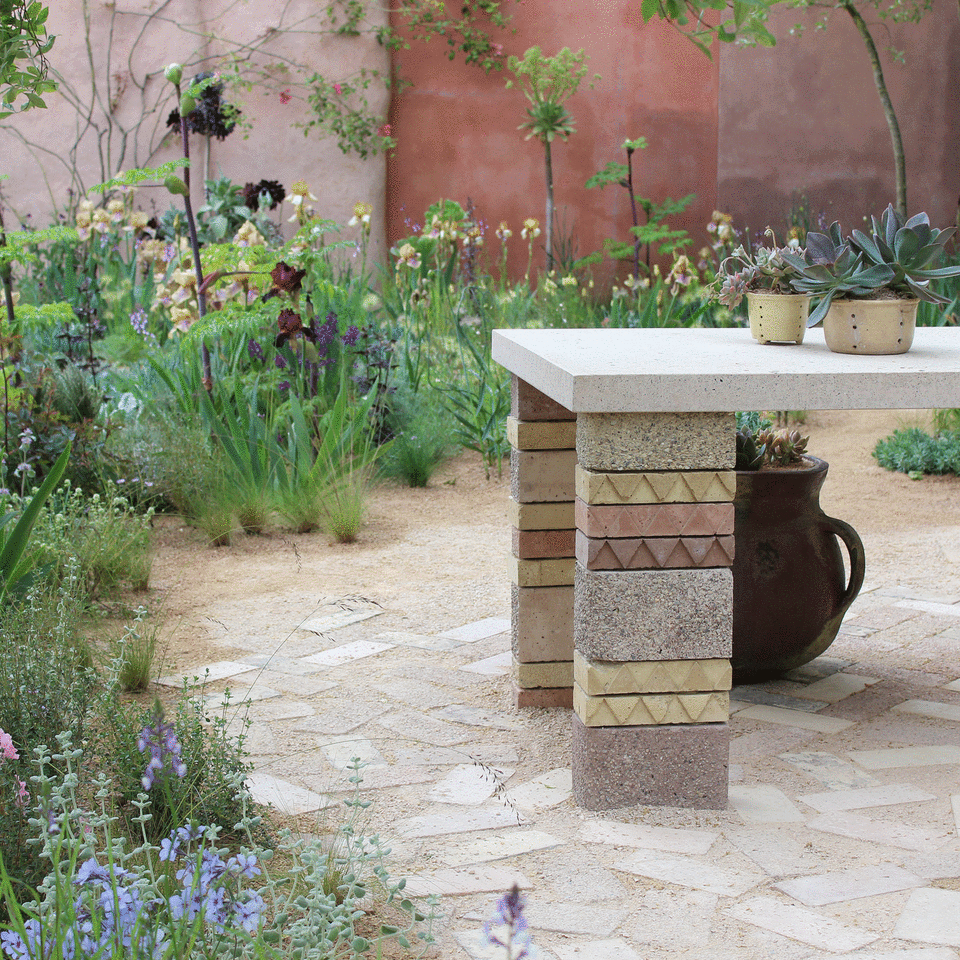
x=654, y=709
x=599, y=677
x=541, y=516
x=542, y=434
x=542, y=573
x=551, y=674
x=686, y=486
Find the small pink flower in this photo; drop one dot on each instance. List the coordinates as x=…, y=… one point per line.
x=23, y=795
x=384, y=131
x=337, y=89
x=284, y=96
x=7, y=748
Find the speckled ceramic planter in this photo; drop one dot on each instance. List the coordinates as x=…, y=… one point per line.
x=778, y=318
x=874, y=327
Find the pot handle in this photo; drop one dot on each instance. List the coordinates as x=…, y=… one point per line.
x=853, y=543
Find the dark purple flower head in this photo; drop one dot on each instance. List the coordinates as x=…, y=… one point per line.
x=280, y=362
x=508, y=927
x=255, y=350
x=272, y=188
x=291, y=326
x=325, y=333
x=287, y=278
x=352, y=335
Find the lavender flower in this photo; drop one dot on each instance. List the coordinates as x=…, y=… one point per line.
x=508, y=928
x=165, y=752
x=255, y=350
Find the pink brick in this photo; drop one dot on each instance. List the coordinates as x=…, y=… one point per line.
x=544, y=697
x=530, y=544
x=655, y=519
x=528, y=403
x=653, y=553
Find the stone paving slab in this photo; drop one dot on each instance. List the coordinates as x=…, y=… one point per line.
x=887, y=795
x=931, y=916
x=824, y=888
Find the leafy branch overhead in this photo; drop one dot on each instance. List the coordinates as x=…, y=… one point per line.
x=24, y=45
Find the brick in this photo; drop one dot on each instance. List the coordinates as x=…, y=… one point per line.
x=542, y=623
x=551, y=674
x=528, y=403
x=655, y=519
x=634, y=710
x=541, y=516
x=542, y=475
x=659, y=553
x=653, y=615
x=533, y=544
x=544, y=697
x=599, y=677
x=680, y=766
x=689, y=486
x=656, y=441
x=542, y=573
x=542, y=434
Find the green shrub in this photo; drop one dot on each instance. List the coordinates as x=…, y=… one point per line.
x=915, y=451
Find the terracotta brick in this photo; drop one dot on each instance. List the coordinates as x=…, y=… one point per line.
x=656, y=441
x=688, y=486
x=551, y=674
x=646, y=709
x=528, y=403
x=542, y=623
x=654, y=614
x=542, y=434
x=556, y=572
x=531, y=544
x=537, y=476
x=598, y=677
x=665, y=766
x=541, y=516
x=657, y=553
x=655, y=519
x=544, y=697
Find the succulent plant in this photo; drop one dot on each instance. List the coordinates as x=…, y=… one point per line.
x=759, y=443
x=747, y=270
x=830, y=267
x=784, y=446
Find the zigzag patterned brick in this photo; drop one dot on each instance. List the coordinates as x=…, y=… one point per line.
x=654, y=553
x=542, y=434
x=655, y=519
x=653, y=709
x=688, y=486
x=600, y=677
x=542, y=573
x=535, y=544
x=528, y=403
x=542, y=475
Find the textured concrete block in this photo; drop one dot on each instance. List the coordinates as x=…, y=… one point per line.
x=542, y=623
x=598, y=677
x=542, y=516
x=544, y=697
x=646, y=709
x=533, y=544
x=653, y=552
x=542, y=573
x=691, y=486
x=552, y=674
x=678, y=766
x=653, y=615
x=528, y=403
x=655, y=519
x=656, y=441
x=542, y=475
x=542, y=434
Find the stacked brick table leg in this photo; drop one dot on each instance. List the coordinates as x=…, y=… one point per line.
x=543, y=459
x=653, y=609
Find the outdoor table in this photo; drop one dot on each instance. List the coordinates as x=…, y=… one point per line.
x=622, y=482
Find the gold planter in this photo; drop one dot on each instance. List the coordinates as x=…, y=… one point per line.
x=778, y=318
x=873, y=327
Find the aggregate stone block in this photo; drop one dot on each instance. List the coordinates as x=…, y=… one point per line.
x=644, y=553
x=656, y=441
x=655, y=519
x=690, y=486
x=528, y=403
x=542, y=623
x=542, y=434
x=646, y=709
x=544, y=697
x=542, y=475
x=600, y=677
x=551, y=674
x=664, y=766
x=653, y=614
x=541, y=516
x=542, y=573
x=536, y=544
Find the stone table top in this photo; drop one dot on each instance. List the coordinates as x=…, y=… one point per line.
x=680, y=370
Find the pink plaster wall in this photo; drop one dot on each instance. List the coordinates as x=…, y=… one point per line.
x=457, y=128
x=804, y=118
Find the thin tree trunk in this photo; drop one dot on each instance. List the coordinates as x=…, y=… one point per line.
x=899, y=161
x=548, y=230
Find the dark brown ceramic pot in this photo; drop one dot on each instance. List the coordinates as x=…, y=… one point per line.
x=789, y=589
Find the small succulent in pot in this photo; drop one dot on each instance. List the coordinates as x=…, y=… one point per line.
x=764, y=270
x=760, y=444
x=895, y=258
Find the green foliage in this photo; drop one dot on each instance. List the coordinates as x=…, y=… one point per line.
x=914, y=451
x=747, y=25
x=224, y=212
x=133, y=653
x=130, y=178
x=24, y=45
x=547, y=82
